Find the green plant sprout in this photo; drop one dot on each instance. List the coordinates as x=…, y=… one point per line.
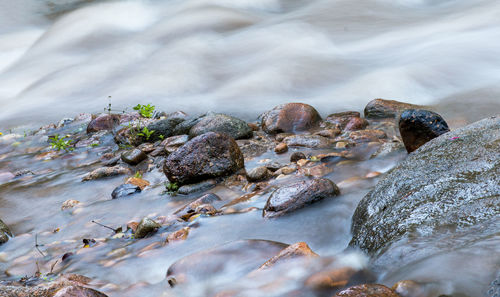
x=145, y=111
x=172, y=187
x=138, y=174
x=146, y=133
x=59, y=143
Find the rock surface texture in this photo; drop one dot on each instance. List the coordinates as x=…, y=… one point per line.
x=209, y=155
x=418, y=126
x=290, y=117
x=442, y=196
x=222, y=123
x=382, y=108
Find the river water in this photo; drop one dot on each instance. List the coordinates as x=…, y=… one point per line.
x=61, y=58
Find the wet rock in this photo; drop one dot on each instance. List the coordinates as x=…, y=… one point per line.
x=310, y=141
x=125, y=190
x=134, y=157
x=293, y=251
x=178, y=235
x=186, y=211
x=69, y=204
x=289, y=198
x=103, y=122
x=367, y=135
x=78, y=291
x=206, y=156
x=381, y=108
x=409, y=288
x=281, y=148
x=290, y=117
x=339, y=120
x=163, y=128
x=110, y=159
x=330, y=279
x=246, y=255
x=329, y=133
x=418, y=126
x=388, y=148
x=297, y=156
x=448, y=186
x=172, y=143
x=252, y=148
x=146, y=227
x=146, y=147
x=4, y=232
x=106, y=172
x=367, y=290
x=139, y=182
x=258, y=174
x=356, y=124
x=198, y=187
x=221, y=123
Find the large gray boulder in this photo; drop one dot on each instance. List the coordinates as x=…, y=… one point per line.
x=445, y=196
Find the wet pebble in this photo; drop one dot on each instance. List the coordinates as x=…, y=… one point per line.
x=297, y=156
x=258, y=174
x=310, y=141
x=293, y=251
x=290, y=117
x=106, y=172
x=146, y=227
x=133, y=157
x=69, y=204
x=281, y=148
x=330, y=279
x=418, y=126
x=125, y=190
x=103, y=122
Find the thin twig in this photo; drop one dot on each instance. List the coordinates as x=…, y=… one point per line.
x=37, y=245
x=114, y=230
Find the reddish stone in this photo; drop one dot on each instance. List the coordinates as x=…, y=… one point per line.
x=103, y=122
x=290, y=117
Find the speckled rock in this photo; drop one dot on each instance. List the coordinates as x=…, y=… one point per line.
x=449, y=183
x=125, y=190
x=163, y=128
x=146, y=227
x=418, y=126
x=206, y=156
x=292, y=197
x=134, y=157
x=367, y=290
x=340, y=120
x=103, y=122
x=297, y=156
x=221, y=123
x=382, y=108
x=310, y=141
x=290, y=117
x=367, y=135
x=258, y=174
x=106, y=172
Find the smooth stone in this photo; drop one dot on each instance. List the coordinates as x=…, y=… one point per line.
x=209, y=155
x=125, y=190
x=292, y=197
x=356, y=124
x=290, y=117
x=382, y=108
x=340, y=120
x=146, y=227
x=418, y=126
x=134, y=157
x=198, y=187
x=310, y=141
x=281, y=148
x=106, y=172
x=221, y=123
x=297, y=156
x=103, y=122
x=258, y=174
x=293, y=251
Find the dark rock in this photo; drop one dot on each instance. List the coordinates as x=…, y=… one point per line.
x=310, y=141
x=206, y=156
x=134, y=157
x=297, y=156
x=246, y=255
x=418, y=126
x=186, y=211
x=198, y=187
x=146, y=227
x=163, y=128
x=340, y=120
x=125, y=190
x=106, y=172
x=442, y=196
x=381, y=108
x=290, y=117
x=185, y=127
x=367, y=290
x=289, y=198
x=258, y=174
x=221, y=123
x=103, y=122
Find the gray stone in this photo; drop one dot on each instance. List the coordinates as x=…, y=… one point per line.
x=310, y=141
x=221, y=123
x=125, y=190
x=146, y=227
x=198, y=187
x=163, y=128
x=258, y=174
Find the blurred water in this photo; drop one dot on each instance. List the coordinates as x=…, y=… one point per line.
x=243, y=56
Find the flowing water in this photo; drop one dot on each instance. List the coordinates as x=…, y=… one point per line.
x=60, y=58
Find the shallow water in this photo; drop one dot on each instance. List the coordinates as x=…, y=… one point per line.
x=242, y=57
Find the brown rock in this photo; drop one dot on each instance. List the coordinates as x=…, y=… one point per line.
x=367, y=135
x=292, y=197
x=134, y=157
x=206, y=156
x=409, y=288
x=293, y=251
x=297, y=156
x=106, y=172
x=331, y=279
x=258, y=174
x=381, y=108
x=190, y=209
x=367, y=290
x=356, y=124
x=290, y=117
x=69, y=204
x=78, y=291
x=281, y=148
x=340, y=119
x=141, y=183
x=103, y=122
x=310, y=141
x=178, y=235
x=254, y=126
x=329, y=133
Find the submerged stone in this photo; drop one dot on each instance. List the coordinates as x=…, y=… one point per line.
x=418, y=126
x=146, y=227
x=293, y=251
x=125, y=190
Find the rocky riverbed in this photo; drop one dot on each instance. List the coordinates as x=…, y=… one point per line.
x=151, y=203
